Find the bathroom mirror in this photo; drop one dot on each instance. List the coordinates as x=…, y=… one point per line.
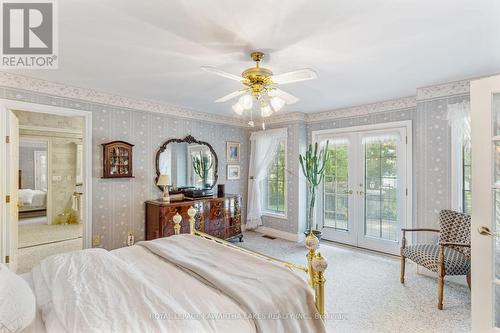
x=188, y=162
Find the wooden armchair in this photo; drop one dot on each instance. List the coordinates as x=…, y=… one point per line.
x=451, y=256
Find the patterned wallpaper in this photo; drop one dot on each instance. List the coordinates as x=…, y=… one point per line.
x=118, y=205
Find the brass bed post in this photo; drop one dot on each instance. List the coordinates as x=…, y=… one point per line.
x=191, y=213
x=177, y=223
x=311, y=243
x=319, y=265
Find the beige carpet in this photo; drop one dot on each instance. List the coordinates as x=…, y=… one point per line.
x=38, y=241
x=35, y=234
x=363, y=293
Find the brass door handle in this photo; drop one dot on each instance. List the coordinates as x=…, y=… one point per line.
x=348, y=192
x=485, y=231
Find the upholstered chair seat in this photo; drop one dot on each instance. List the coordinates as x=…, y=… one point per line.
x=427, y=255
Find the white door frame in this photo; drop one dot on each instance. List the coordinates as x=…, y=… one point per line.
x=407, y=218
x=87, y=162
x=483, y=205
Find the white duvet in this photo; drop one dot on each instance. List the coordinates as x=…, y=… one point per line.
x=134, y=290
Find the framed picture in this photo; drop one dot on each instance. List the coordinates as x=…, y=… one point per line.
x=233, y=172
x=233, y=152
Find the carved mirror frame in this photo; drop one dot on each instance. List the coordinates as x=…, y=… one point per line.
x=188, y=139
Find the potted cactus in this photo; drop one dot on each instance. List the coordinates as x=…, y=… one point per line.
x=313, y=167
x=201, y=166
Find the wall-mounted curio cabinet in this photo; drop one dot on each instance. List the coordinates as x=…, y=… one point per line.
x=117, y=159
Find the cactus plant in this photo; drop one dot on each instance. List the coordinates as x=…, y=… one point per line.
x=313, y=167
x=202, y=165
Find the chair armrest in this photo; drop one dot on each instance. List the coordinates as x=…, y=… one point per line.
x=454, y=244
x=420, y=229
x=404, y=230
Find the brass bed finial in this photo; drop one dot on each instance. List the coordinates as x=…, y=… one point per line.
x=316, y=264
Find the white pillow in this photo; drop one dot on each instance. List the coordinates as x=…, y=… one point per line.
x=25, y=196
x=17, y=302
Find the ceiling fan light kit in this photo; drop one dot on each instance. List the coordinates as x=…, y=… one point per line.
x=261, y=85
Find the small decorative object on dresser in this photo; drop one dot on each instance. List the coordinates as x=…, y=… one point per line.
x=232, y=152
x=117, y=159
x=164, y=181
x=233, y=172
x=219, y=217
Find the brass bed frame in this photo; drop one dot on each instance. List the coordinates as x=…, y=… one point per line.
x=316, y=264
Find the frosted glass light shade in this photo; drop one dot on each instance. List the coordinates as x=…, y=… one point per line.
x=246, y=102
x=265, y=111
x=238, y=108
x=277, y=103
x=163, y=180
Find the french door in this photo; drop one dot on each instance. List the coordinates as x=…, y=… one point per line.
x=485, y=236
x=363, y=200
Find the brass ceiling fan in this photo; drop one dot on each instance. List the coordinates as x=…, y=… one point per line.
x=262, y=85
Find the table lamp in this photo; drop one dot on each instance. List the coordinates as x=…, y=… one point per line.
x=164, y=181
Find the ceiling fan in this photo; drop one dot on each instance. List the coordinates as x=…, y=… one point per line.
x=261, y=85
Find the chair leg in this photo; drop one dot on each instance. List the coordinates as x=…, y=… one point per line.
x=403, y=263
x=468, y=280
x=441, y=272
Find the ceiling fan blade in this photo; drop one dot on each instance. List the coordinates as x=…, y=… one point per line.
x=230, y=96
x=288, y=98
x=295, y=76
x=219, y=72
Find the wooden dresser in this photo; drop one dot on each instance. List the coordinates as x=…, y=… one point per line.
x=219, y=217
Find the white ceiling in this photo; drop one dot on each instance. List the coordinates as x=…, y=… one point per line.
x=363, y=50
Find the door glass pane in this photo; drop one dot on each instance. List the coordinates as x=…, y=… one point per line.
x=381, y=189
x=496, y=114
x=497, y=228
x=335, y=186
x=497, y=305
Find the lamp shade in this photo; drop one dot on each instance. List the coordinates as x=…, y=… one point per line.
x=163, y=180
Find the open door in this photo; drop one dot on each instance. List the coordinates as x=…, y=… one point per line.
x=485, y=231
x=12, y=186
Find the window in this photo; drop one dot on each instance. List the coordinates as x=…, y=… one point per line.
x=466, y=179
x=274, y=185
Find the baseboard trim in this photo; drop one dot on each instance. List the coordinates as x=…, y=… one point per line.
x=281, y=234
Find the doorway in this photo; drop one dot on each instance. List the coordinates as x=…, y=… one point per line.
x=47, y=183
x=364, y=199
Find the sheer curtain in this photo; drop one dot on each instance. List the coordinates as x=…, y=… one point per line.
x=458, y=117
x=264, y=145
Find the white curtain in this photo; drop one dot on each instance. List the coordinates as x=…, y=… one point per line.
x=458, y=117
x=264, y=145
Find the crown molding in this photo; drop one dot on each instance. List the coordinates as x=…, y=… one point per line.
x=90, y=95
x=362, y=110
x=444, y=90
x=286, y=117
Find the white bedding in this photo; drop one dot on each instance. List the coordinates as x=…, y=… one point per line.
x=32, y=198
x=133, y=290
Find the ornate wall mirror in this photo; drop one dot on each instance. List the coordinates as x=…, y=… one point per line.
x=188, y=162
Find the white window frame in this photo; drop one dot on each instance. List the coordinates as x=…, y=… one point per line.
x=273, y=214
